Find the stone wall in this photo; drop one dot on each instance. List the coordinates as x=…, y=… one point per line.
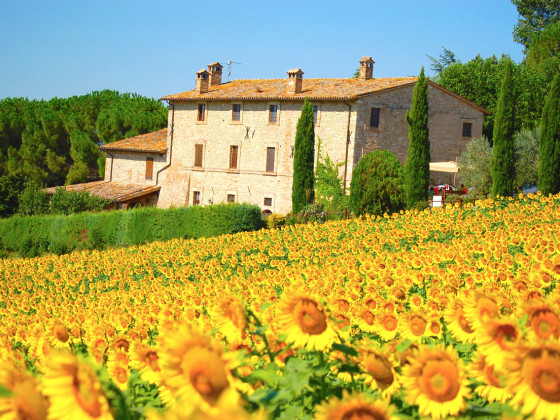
x=446, y=117
x=130, y=167
x=253, y=134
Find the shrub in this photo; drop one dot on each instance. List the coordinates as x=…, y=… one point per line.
x=68, y=202
x=61, y=234
x=377, y=185
x=474, y=165
x=29, y=248
x=33, y=200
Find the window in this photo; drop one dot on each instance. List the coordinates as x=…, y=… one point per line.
x=231, y=198
x=233, y=154
x=273, y=114
x=315, y=113
x=196, y=198
x=374, y=118
x=236, y=112
x=467, y=129
x=270, y=152
x=198, y=155
x=201, y=112
x=268, y=201
x=149, y=167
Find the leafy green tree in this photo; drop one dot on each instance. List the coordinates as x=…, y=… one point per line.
x=549, y=148
x=544, y=51
x=303, y=192
x=534, y=15
x=446, y=58
x=475, y=164
x=329, y=190
x=526, y=144
x=417, y=172
x=11, y=186
x=479, y=80
x=503, y=156
x=377, y=184
x=33, y=200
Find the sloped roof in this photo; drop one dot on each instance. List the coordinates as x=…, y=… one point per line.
x=267, y=89
x=314, y=89
x=110, y=190
x=155, y=142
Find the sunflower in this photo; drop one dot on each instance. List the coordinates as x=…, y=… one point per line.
x=231, y=318
x=195, y=370
x=305, y=321
x=73, y=389
x=493, y=388
x=25, y=400
x=534, y=379
x=379, y=369
x=543, y=320
x=456, y=322
x=145, y=359
x=58, y=334
x=435, y=381
x=387, y=324
x=480, y=309
x=119, y=374
x=358, y=406
x=414, y=326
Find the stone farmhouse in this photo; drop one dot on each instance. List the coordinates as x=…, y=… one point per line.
x=234, y=141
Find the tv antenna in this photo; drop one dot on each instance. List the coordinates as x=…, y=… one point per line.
x=229, y=63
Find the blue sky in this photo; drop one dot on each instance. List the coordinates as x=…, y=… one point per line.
x=154, y=48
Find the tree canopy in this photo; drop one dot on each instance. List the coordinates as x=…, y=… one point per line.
x=55, y=142
x=479, y=80
x=534, y=15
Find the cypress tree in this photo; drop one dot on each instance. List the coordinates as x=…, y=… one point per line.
x=503, y=153
x=417, y=171
x=549, y=142
x=303, y=192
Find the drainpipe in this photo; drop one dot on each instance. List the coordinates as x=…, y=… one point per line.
x=170, y=143
x=111, y=171
x=347, y=145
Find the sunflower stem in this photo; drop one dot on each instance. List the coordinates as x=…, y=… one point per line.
x=263, y=334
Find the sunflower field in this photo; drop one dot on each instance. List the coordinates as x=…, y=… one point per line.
x=452, y=312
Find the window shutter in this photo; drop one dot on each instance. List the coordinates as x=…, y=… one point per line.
x=149, y=167
x=198, y=155
x=270, y=154
x=233, y=152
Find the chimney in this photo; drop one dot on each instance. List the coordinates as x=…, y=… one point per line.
x=215, y=70
x=202, y=81
x=295, y=79
x=366, y=68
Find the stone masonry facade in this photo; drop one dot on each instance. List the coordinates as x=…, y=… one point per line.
x=217, y=123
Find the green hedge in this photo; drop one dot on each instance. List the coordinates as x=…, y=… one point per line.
x=60, y=234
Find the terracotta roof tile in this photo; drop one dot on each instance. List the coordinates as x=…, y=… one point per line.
x=110, y=190
x=314, y=89
x=155, y=142
x=318, y=89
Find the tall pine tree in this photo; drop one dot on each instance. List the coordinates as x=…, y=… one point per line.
x=549, y=142
x=303, y=191
x=417, y=171
x=503, y=154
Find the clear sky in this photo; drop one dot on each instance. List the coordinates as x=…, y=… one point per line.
x=154, y=48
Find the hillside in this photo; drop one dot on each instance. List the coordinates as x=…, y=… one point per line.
x=430, y=313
